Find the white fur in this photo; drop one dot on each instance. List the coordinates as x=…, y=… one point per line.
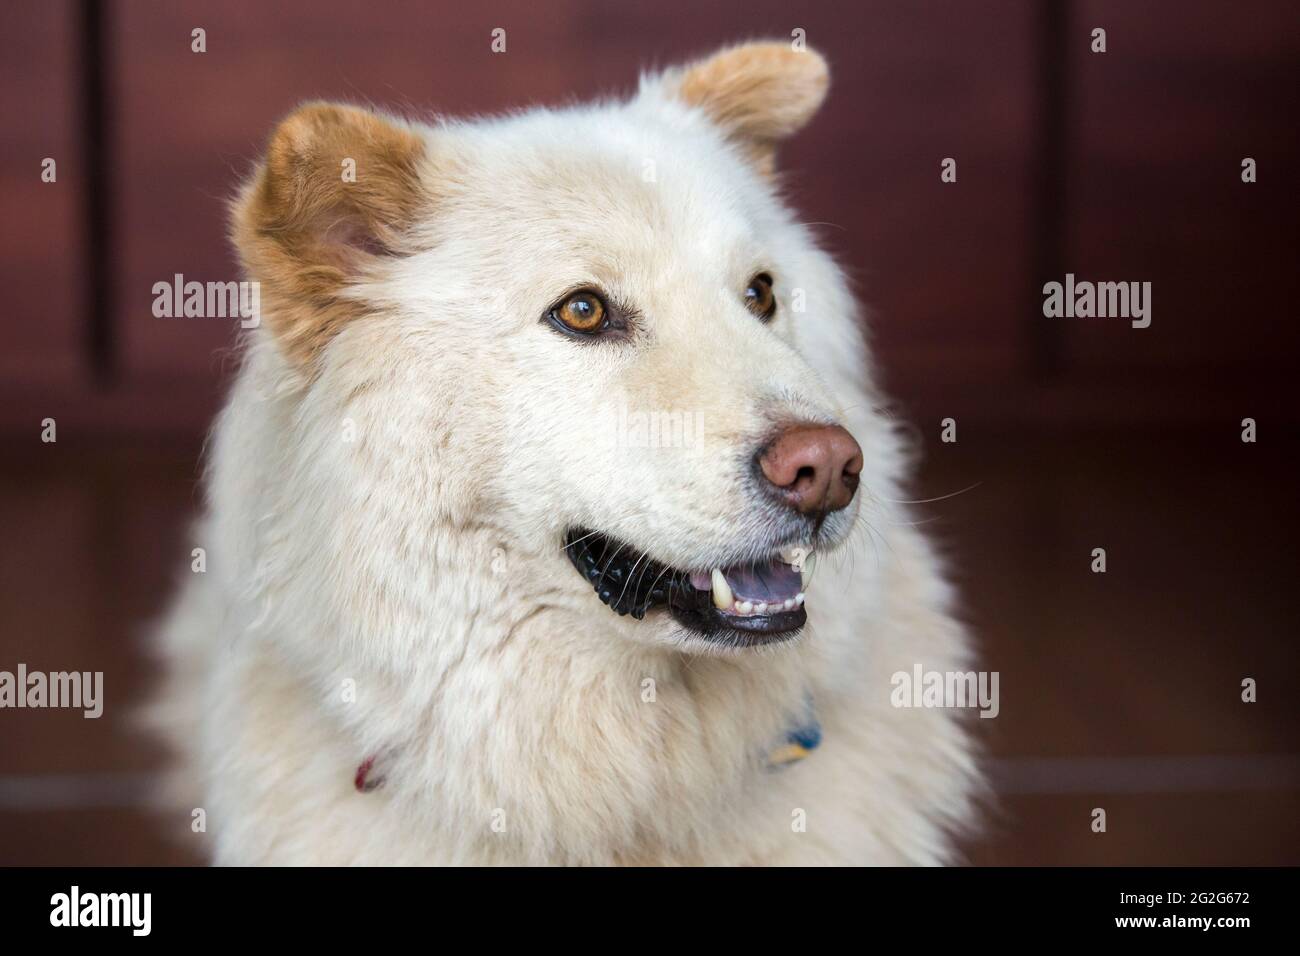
x=423, y=561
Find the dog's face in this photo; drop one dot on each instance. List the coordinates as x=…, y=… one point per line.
x=598, y=330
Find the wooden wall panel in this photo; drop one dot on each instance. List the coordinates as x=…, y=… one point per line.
x=1161, y=123
x=40, y=244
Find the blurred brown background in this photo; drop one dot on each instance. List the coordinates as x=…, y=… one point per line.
x=1119, y=690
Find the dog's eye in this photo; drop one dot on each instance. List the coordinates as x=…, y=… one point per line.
x=759, y=298
x=581, y=312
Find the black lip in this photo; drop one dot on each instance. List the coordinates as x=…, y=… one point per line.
x=631, y=583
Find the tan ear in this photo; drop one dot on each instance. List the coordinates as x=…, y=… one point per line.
x=333, y=197
x=759, y=93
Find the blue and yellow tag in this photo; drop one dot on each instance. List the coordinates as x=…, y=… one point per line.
x=799, y=743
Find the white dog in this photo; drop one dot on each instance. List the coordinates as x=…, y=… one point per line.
x=511, y=514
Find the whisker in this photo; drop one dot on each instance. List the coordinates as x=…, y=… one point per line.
x=913, y=524
x=609, y=561
x=659, y=578
x=926, y=501
x=589, y=534
x=644, y=555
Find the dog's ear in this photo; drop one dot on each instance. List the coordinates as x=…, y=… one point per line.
x=758, y=93
x=332, y=199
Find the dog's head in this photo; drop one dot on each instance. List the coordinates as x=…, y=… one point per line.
x=596, y=331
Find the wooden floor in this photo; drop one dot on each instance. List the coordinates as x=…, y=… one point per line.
x=1119, y=690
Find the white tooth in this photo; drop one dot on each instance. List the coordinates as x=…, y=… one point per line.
x=760, y=608
x=789, y=604
x=744, y=607
x=799, y=598
x=722, y=596
x=795, y=554
x=806, y=573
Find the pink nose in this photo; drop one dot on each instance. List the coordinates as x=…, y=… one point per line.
x=813, y=467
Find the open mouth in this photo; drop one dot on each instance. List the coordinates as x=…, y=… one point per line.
x=752, y=603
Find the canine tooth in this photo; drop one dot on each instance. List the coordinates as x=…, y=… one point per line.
x=722, y=596
x=794, y=554
x=744, y=607
x=789, y=604
x=806, y=572
x=800, y=598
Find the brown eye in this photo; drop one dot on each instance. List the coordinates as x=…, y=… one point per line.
x=759, y=298
x=581, y=312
